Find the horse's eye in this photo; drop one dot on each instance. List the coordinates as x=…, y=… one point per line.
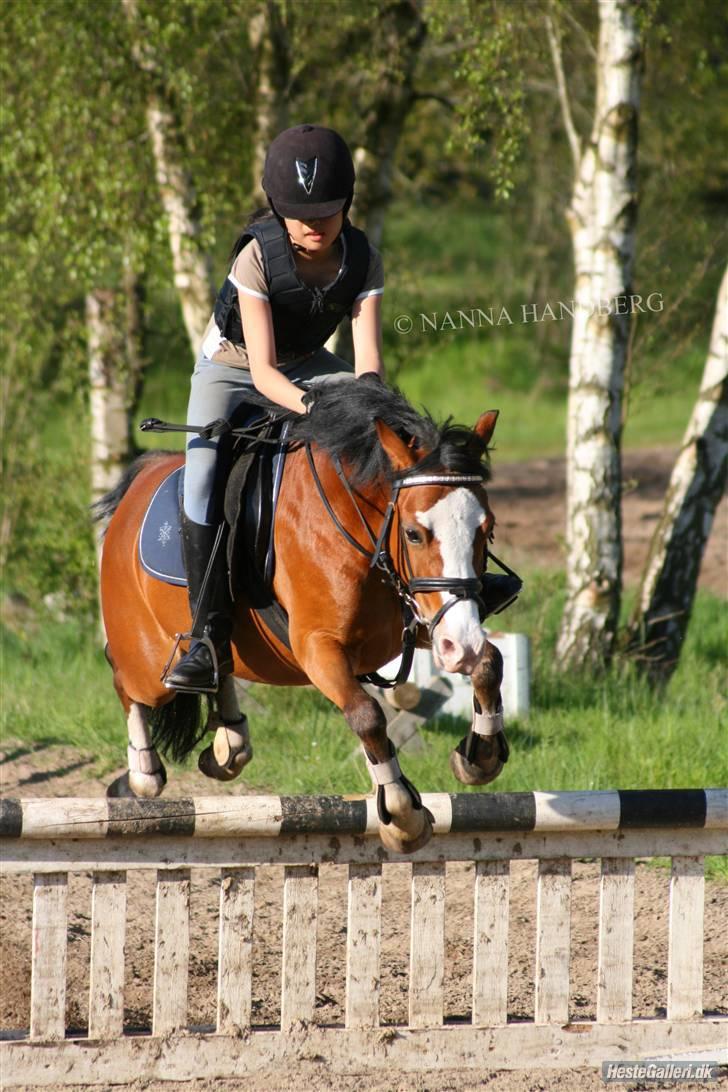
x=413, y=536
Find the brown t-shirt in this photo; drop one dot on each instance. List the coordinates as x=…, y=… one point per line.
x=248, y=276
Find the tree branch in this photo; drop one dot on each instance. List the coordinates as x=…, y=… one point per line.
x=420, y=96
x=556, y=56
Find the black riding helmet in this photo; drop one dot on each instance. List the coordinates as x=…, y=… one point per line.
x=309, y=173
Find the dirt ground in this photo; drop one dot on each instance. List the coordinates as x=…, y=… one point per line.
x=528, y=502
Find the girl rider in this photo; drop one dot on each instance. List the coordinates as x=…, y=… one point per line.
x=296, y=272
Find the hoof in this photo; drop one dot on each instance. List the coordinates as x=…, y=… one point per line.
x=493, y=754
x=210, y=767
x=120, y=788
x=147, y=785
x=397, y=840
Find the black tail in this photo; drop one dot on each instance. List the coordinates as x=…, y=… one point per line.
x=104, y=508
x=178, y=726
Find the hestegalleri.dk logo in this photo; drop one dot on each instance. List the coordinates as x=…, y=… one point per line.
x=657, y=1070
x=483, y=318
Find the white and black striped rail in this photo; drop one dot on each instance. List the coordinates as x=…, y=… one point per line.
x=229, y=837
x=337, y=816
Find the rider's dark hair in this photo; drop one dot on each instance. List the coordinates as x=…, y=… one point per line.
x=263, y=213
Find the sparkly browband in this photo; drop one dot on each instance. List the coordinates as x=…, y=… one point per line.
x=439, y=479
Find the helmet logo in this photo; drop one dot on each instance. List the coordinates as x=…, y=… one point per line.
x=306, y=171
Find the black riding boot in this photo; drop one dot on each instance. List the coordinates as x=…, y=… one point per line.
x=210, y=656
x=499, y=592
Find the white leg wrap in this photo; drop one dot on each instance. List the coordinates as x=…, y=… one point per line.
x=487, y=724
x=136, y=725
x=385, y=773
x=140, y=755
x=142, y=760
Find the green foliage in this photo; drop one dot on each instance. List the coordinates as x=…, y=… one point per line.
x=489, y=72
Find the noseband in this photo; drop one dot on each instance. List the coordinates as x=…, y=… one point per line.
x=460, y=588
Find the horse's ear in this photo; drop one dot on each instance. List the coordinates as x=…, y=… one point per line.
x=485, y=426
x=400, y=456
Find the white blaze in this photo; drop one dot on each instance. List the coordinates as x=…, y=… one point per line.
x=453, y=522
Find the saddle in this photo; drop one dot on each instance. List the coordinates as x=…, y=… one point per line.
x=250, y=502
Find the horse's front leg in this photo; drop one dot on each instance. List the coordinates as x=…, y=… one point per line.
x=481, y=755
x=405, y=825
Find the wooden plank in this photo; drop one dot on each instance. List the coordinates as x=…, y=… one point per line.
x=171, y=951
x=134, y=853
x=354, y=1051
x=362, y=946
x=48, y=964
x=108, y=933
x=298, y=978
x=427, y=945
x=490, y=943
x=553, y=934
x=685, y=948
x=235, y=962
x=616, y=941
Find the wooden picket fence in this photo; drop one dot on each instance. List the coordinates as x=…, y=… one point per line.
x=233, y=835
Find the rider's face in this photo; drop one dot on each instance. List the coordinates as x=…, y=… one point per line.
x=315, y=236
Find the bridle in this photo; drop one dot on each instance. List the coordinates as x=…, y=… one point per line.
x=406, y=586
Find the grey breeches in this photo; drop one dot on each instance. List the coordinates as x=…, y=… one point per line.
x=217, y=391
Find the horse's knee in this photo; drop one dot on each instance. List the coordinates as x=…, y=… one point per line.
x=366, y=718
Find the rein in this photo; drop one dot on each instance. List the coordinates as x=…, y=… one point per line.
x=460, y=588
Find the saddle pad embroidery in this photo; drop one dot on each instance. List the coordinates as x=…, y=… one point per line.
x=160, y=540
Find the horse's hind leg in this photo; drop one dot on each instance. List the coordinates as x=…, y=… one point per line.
x=480, y=756
x=146, y=775
x=230, y=750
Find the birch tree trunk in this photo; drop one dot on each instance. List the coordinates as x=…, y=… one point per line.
x=113, y=330
x=375, y=156
x=698, y=481
x=190, y=263
x=602, y=217
x=269, y=35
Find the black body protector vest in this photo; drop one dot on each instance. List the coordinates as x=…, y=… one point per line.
x=303, y=317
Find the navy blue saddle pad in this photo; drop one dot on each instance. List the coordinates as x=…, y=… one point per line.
x=160, y=541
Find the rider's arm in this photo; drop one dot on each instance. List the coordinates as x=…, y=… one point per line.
x=366, y=332
x=261, y=345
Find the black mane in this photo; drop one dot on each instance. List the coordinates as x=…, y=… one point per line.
x=342, y=422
